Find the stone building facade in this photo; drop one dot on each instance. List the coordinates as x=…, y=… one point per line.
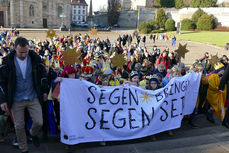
x=79, y=11
x=35, y=13
x=135, y=4
x=126, y=4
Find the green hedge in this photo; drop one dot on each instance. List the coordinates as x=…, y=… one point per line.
x=205, y=22
x=157, y=31
x=170, y=25
x=161, y=18
x=195, y=3
x=197, y=15
x=179, y=4
x=154, y=24
x=187, y=24
x=203, y=3
x=145, y=27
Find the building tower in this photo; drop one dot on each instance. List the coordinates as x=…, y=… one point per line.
x=90, y=17
x=90, y=11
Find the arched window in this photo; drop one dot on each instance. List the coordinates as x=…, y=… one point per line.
x=31, y=10
x=60, y=11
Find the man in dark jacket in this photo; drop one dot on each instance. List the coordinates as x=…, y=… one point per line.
x=23, y=85
x=144, y=40
x=129, y=39
x=138, y=40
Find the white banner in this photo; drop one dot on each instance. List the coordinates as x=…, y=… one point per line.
x=89, y=113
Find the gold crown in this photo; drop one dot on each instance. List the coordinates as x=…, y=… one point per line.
x=218, y=66
x=104, y=69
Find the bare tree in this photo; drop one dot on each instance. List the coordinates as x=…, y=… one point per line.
x=113, y=8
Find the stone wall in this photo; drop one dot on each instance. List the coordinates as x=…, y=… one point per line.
x=129, y=19
x=101, y=19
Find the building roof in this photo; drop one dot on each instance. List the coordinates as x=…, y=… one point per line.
x=79, y=2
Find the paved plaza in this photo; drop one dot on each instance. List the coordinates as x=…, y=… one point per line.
x=197, y=50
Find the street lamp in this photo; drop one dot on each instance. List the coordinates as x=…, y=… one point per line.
x=62, y=27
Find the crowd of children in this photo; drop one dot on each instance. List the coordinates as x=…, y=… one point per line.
x=148, y=69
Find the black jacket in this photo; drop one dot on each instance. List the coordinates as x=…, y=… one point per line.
x=8, y=78
x=224, y=79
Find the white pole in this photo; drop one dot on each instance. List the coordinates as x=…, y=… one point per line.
x=139, y=10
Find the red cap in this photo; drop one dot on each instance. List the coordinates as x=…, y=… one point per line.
x=68, y=70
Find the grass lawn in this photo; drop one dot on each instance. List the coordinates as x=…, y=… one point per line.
x=216, y=38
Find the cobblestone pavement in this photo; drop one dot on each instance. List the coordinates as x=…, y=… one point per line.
x=208, y=138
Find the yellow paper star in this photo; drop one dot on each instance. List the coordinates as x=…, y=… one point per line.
x=94, y=31
x=51, y=33
x=71, y=56
x=214, y=59
x=181, y=51
x=145, y=97
x=118, y=60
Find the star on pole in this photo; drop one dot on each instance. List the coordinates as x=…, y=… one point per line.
x=93, y=31
x=118, y=60
x=71, y=56
x=145, y=97
x=181, y=51
x=51, y=33
x=214, y=59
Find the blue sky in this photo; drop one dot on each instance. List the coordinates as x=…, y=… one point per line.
x=97, y=4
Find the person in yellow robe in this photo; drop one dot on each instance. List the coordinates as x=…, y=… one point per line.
x=216, y=98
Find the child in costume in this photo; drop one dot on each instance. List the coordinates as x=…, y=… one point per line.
x=153, y=84
x=161, y=69
x=216, y=98
x=114, y=80
x=134, y=79
x=203, y=82
x=174, y=72
x=54, y=98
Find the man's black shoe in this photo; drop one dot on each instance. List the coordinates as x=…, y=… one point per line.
x=29, y=139
x=36, y=141
x=15, y=143
x=210, y=117
x=25, y=152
